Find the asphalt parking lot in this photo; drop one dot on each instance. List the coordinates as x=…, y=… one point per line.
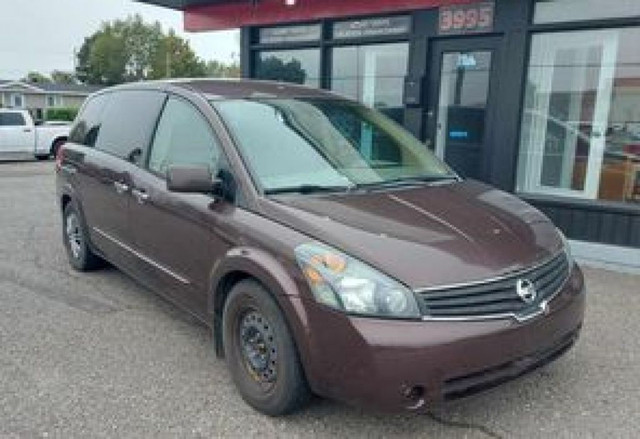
x=99, y=356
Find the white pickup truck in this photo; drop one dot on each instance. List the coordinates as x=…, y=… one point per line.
x=21, y=138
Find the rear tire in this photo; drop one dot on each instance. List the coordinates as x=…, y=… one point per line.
x=260, y=352
x=76, y=240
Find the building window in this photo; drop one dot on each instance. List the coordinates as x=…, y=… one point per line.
x=54, y=101
x=17, y=100
x=580, y=133
x=300, y=66
x=554, y=11
x=373, y=74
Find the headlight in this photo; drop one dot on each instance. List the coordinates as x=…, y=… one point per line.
x=344, y=283
x=567, y=248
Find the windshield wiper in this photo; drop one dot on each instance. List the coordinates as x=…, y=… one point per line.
x=408, y=181
x=307, y=189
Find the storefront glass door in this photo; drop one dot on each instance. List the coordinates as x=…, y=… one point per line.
x=461, y=102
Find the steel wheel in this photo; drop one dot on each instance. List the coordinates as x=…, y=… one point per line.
x=260, y=351
x=74, y=235
x=76, y=241
x=258, y=347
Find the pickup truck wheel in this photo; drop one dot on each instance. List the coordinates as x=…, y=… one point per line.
x=260, y=352
x=75, y=241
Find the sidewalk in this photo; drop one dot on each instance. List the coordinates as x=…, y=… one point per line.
x=609, y=257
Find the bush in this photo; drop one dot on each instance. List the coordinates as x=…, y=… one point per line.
x=61, y=114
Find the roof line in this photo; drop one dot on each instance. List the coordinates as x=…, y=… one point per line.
x=22, y=83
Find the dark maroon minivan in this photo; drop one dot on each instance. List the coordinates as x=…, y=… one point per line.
x=328, y=249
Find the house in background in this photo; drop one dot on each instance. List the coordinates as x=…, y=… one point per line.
x=38, y=97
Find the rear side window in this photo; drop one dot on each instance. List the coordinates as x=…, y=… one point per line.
x=183, y=137
x=88, y=123
x=12, y=119
x=129, y=121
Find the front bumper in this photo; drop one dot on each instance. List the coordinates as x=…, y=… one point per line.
x=393, y=365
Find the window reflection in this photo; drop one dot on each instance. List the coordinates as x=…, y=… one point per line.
x=581, y=123
x=296, y=66
x=372, y=74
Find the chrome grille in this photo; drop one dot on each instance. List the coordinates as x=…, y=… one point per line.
x=500, y=297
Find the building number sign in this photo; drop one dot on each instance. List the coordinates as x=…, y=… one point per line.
x=466, y=19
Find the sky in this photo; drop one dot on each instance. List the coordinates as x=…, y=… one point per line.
x=41, y=35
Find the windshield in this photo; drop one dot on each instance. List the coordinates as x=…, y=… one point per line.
x=304, y=145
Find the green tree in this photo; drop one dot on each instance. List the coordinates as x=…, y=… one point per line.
x=131, y=50
x=175, y=59
x=102, y=58
x=108, y=58
x=217, y=69
x=36, y=78
x=142, y=43
x=84, y=71
x=274, y=68
x=60, y=77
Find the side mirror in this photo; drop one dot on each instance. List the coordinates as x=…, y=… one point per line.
x=195, y=179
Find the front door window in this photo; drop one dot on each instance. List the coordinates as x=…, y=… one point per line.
x=183, y=137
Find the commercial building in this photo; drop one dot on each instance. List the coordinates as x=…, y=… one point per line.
x=537, y=97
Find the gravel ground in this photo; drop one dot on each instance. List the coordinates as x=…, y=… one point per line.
x=99, y=356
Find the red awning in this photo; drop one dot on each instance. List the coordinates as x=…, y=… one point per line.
x=233, y=13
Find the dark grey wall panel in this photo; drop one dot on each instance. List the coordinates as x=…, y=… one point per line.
x=593, y=225
x=579, y=219
x=617, y=225
x=634, y=229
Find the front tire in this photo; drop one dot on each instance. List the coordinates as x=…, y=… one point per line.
x=260, y=352
x=75, y=238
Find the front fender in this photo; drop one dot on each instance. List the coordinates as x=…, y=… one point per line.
x=273, y=274
x=258, y=264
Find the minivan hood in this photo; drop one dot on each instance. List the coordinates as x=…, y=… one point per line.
x=426, y=236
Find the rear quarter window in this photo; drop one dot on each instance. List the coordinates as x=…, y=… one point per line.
x=88, y=123
x=129, y=121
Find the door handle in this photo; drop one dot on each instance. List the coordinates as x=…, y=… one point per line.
x=121, y=188
x=141, y=195
x=26, y=130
